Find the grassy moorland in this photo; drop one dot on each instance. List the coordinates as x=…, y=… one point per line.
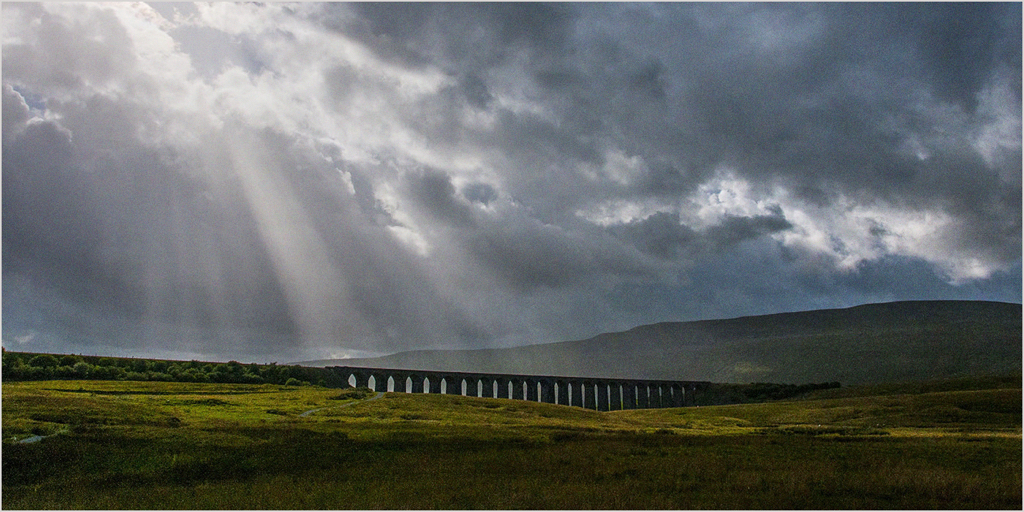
x=166, y=445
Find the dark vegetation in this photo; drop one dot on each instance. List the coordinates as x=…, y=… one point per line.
x=164, y=445
x=25, y=366
x=719, y=394
x=980, y=382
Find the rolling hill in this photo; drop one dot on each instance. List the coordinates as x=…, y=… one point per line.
x=873, y=343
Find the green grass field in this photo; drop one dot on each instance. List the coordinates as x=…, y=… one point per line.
x=163, y=445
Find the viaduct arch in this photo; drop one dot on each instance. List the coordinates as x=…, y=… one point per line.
x=590, y=393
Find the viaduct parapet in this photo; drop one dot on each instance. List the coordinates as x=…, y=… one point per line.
x=589, y=393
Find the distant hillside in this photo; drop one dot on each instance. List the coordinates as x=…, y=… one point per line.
x=873, y=343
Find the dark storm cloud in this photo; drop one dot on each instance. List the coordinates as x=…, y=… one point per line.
x=533, y=26
x=661, y=234
x=734, y=229
x=435, y=193
x=830, y=100
x=384, y=176
x=475, y=91
x=527, y=256
x=664, y=236
x=961, y=44
x=50, y=227
x=827, y=109
x=834, y=109
x=479, y=192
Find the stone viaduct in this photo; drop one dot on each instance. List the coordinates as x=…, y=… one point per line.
x=590, y=393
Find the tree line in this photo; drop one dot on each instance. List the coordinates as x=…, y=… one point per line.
x=21, y=366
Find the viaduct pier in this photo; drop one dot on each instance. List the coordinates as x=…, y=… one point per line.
x=590, y=393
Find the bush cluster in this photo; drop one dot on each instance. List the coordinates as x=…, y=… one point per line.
x=757, y=392
x=19, y=366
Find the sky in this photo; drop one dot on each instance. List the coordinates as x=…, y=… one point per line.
x=286, y=182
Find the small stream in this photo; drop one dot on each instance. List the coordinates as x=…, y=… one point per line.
x=37, y=438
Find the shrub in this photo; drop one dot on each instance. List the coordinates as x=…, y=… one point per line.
x=249, y=378
x=101, y=372
x=43, y=361
x=64, y=372
x=135, y=376
x=14, y=368
x=232, y=368
x=70, y=360
x=174, y=371
x=82, y=370
x=38, y=373
x=293, y=382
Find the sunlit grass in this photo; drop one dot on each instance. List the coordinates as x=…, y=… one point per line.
x=146, y=445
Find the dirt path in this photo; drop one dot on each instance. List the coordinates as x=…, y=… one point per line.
x=311, y=411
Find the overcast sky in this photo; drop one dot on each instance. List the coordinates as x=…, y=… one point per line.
x=287, y=182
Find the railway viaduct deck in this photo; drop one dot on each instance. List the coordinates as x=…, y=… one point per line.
x=591, y=393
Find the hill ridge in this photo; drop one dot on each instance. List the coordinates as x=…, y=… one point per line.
x=867, y=343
